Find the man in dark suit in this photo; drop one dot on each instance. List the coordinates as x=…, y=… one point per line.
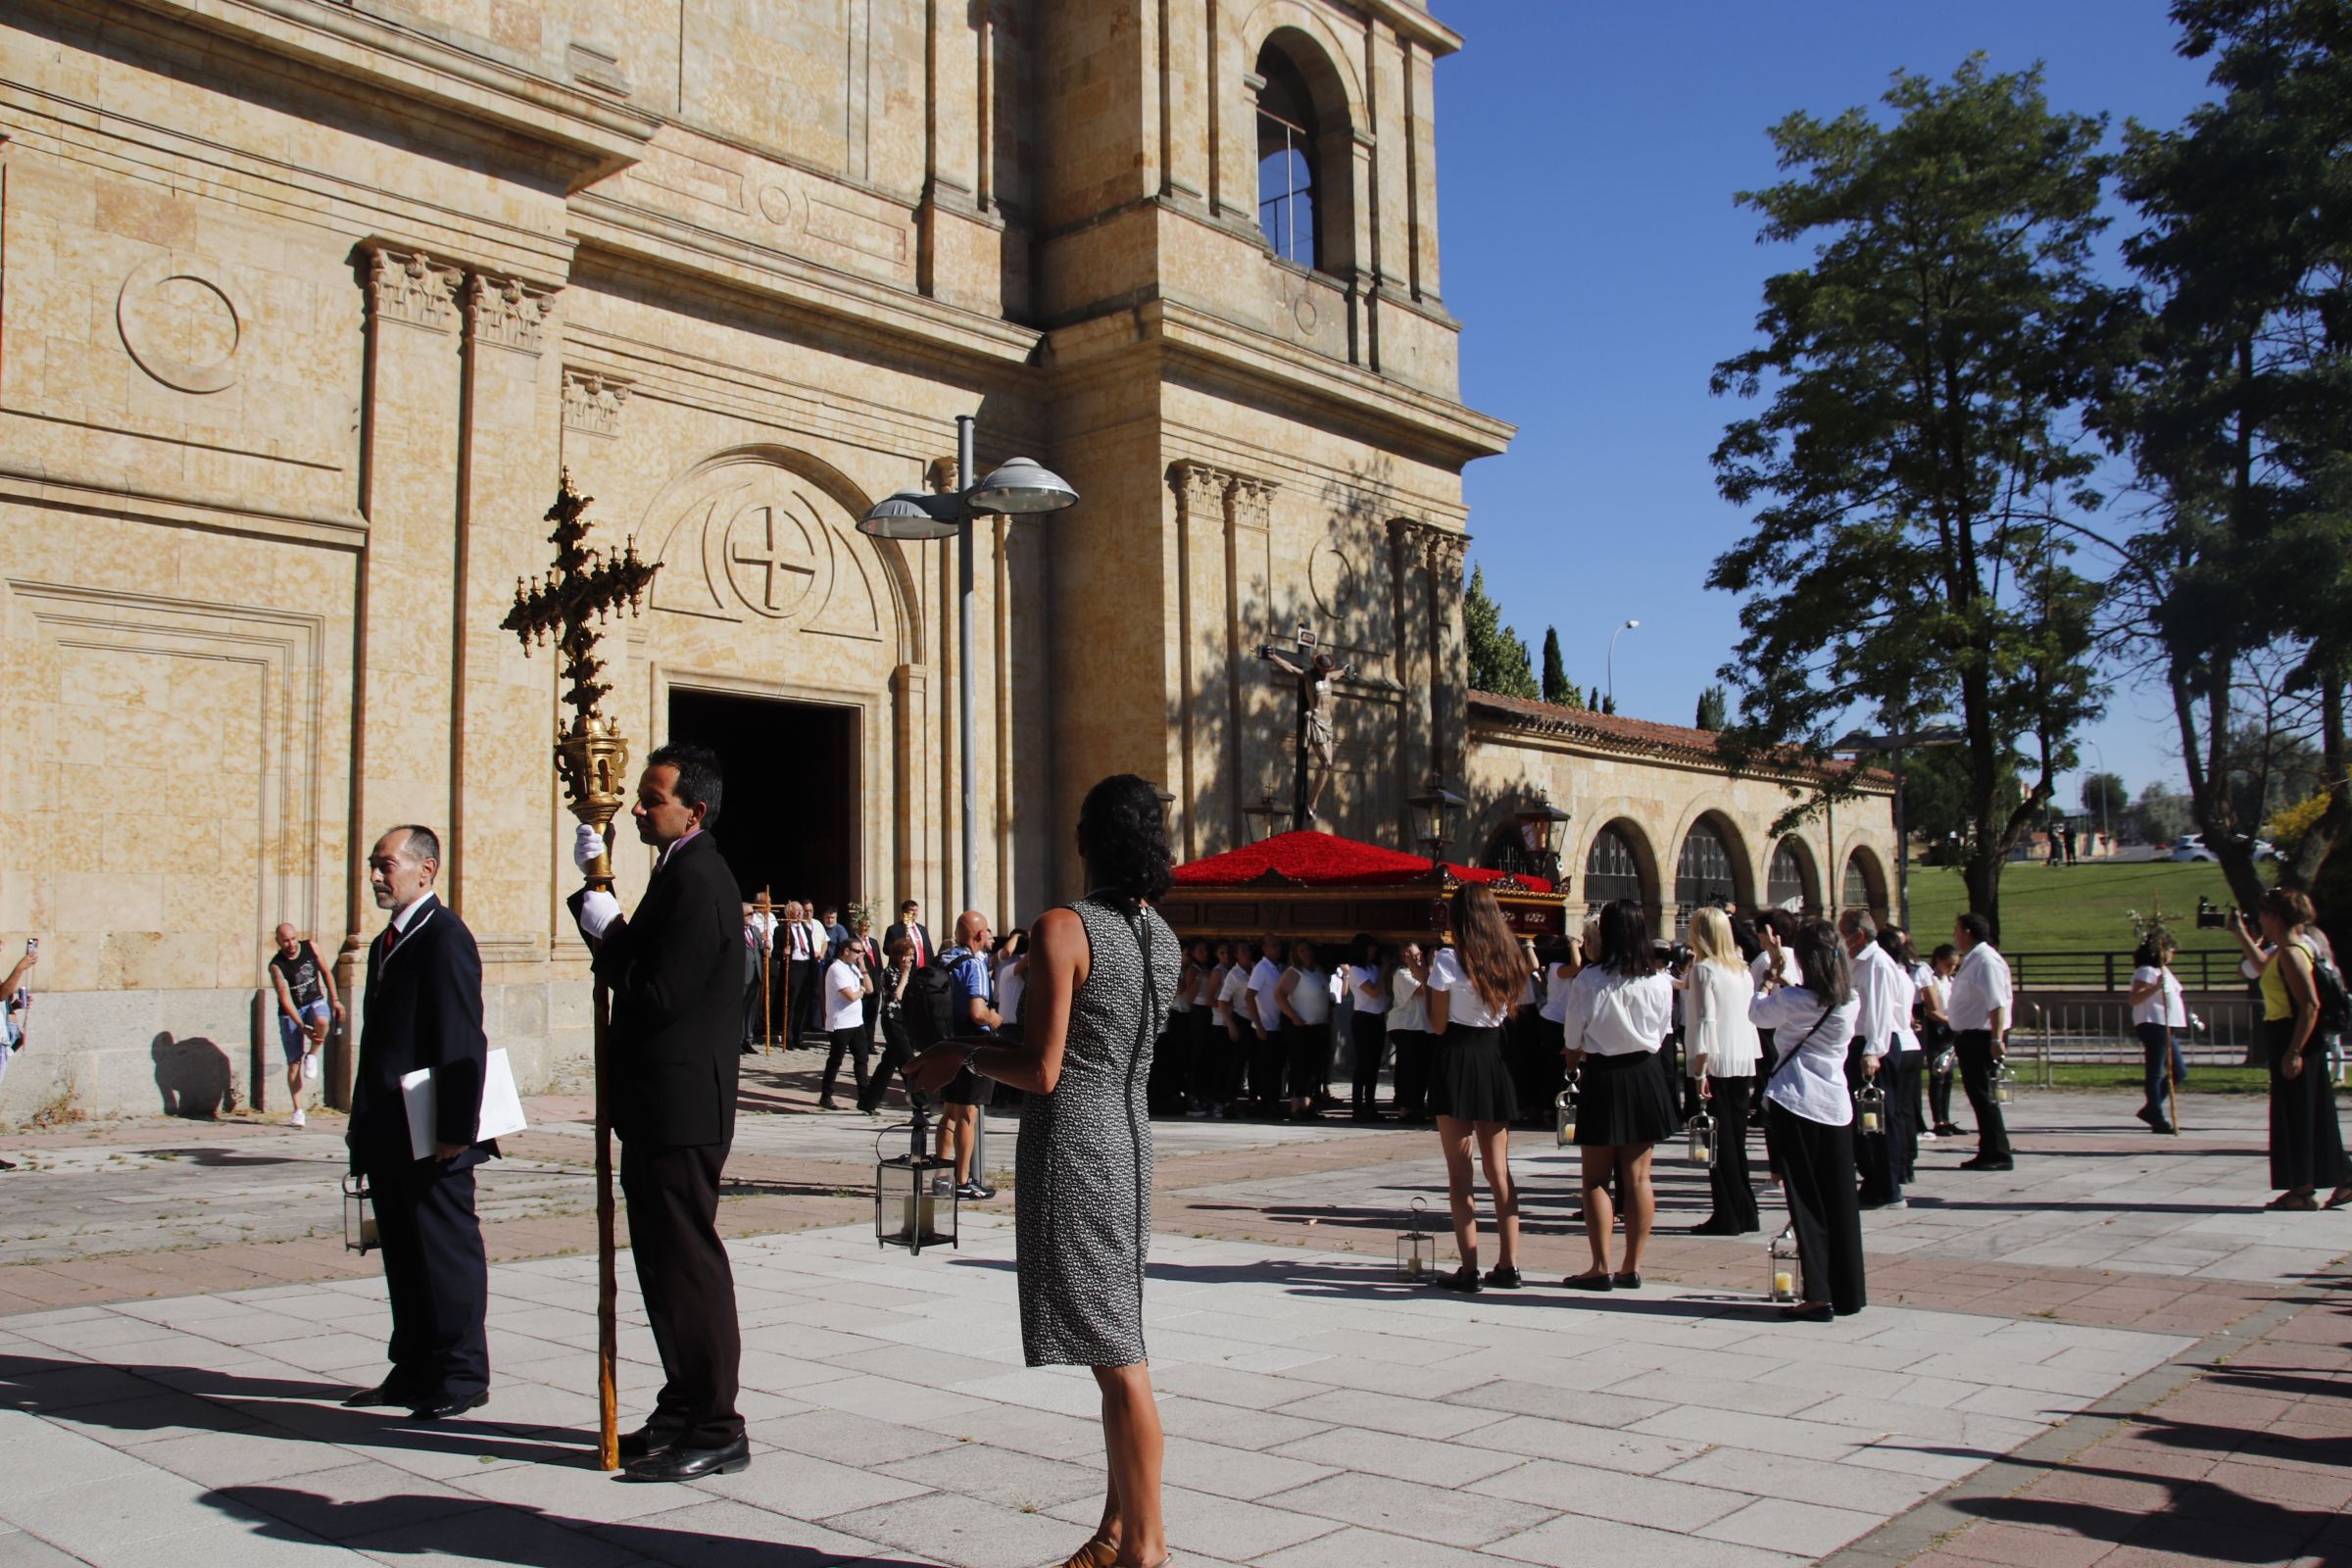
x=909, y=924
x=676, y=972
x=423, y=1009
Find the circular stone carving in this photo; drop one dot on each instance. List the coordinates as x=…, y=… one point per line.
x=776, y=557
x=775, y=204
x=1330, y=578
x=180, y=325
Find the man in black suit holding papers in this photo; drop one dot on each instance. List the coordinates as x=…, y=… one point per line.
x=677, y=973
x=423, y=1009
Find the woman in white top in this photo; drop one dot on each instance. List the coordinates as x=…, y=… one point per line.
x=1809, y=1119
x=1233, y=1002
x=1620, y=1010
x=1407, y=1021
x=1211, y=1032
x=1936, y=1037
x=1303, y=995
x=1471, y=986
x=1724, y=1052
x=1367, y=1026
x=2158, y=1009
x=845, y=986
x=1560, y=963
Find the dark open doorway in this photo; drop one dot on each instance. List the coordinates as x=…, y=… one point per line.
x=789, y=819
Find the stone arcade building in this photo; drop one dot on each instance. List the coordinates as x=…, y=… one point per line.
x=304, y=304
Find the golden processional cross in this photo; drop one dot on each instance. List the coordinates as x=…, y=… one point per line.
x=581, y=589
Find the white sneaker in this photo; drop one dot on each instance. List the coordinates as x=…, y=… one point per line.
x=300, y=1120
x=1926, y=1138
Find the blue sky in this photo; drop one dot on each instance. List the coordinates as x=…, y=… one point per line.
x=1588, y=153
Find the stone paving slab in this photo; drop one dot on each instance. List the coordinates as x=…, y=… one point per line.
x=906, y=1432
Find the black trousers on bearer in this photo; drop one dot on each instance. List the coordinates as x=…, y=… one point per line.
x=1816, y=1162
x=682, y=1269
x=435, y=1274
x=1974, y=1048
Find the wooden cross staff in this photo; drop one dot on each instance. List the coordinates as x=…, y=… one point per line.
x=592, y=758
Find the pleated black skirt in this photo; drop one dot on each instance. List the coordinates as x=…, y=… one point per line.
x=1468, y=1077
x=2307, y=1143
x=1624, y=1099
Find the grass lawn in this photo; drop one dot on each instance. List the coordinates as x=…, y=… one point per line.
x=2201, y=1079
x=2075, y=907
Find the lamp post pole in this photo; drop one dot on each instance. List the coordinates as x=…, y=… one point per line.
x=1612, y=661
x=965, y=695
x=2106, y=838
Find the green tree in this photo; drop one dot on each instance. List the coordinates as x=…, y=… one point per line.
x=1498, y=660
x=2161, y=814
x=1917, y=470
x=1557, y=687
x=2238, y=417
x=2104, y=798
x=1714, y=708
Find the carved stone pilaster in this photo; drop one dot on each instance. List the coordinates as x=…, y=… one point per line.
x=505, y=312
x=411, y=288
x=592, y=402
x=1248, y=503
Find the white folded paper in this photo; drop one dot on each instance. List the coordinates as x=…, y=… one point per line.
x=501, y=1113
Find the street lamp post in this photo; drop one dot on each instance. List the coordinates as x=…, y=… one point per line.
x=1858, y=744
x=2106, y=836
x=1017, y=488
x=1612, y=661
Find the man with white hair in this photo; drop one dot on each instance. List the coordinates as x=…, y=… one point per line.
x=306, y=1006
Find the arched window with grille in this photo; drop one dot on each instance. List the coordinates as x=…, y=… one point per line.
x=1786, y=886
x=1703, y=873
x=1286, y=157
x=1611, y=871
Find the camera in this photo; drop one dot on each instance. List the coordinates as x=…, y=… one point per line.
x=2211, y=917
x=1675, y=956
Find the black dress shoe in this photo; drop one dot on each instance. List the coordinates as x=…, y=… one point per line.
x=681, y=1463
x=1625, y=1282
x=449, y=1404
x=384, y=1395
x=1504, y=1279
x=1807, y=1314
x=1980, y=1162
x=1712, y=1227
x=1589, y=1281
x=647, y=1439
x=1465, y=1279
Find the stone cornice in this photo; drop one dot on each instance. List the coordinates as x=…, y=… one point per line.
x=584, y=133
x=1581, y=732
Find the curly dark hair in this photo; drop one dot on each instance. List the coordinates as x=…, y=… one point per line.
x=1124, y=838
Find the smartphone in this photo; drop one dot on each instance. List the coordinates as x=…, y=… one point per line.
x=33, y=945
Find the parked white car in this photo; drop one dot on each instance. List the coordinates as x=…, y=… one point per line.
x=2191, y=846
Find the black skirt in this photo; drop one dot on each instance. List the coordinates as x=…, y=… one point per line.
x=2307, y=1143
x=1468, y=1078
x=1624, y=1099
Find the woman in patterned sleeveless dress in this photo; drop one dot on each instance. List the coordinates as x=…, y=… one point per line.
x=1102, y=973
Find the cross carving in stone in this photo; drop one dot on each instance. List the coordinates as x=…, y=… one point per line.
x=771, y=560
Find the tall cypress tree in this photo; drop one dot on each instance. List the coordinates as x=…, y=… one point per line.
x=1557, y=687
x=1498, y=660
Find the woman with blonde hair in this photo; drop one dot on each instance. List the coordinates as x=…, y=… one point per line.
x=1471, y=989
x=1724, y=1052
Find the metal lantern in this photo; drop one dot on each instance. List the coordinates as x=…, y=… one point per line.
x=1563, y=1118
x=1416, y=1255
x=915, y=1194
x=358, y=1216
x=1701, y=1140
x=1783, y=1259
x=1870, y=1108
x=2004, y=1083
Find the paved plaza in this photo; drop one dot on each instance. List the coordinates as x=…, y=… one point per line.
x=2109, y=1354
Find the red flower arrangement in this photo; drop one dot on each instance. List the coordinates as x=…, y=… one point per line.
x=1326, y=861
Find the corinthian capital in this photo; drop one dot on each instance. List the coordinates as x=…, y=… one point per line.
x=411, y=287
x=506, y=310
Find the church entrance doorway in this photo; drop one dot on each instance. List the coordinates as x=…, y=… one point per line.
x=790, y=821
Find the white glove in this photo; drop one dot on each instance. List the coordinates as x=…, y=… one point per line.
x=587, y=845
x=597, y=910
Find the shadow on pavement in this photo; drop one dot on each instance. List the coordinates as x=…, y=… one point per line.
x=450, y=1525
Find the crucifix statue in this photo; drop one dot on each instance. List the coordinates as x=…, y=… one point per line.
x=592, y=757
x=1313, y=672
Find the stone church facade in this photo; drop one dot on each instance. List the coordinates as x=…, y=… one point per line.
x=305, y=305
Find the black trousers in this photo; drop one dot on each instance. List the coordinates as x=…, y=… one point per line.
x=857, y=1042
x=894, y=1051
x=1368, y=1034
x=1729, y=1182
x=1206, y=1082
x=1974, y=1046
x=1817, y=1176
x=436, y=1276
x=1265, y=1066
x=1886, y=1158
x=1412, y=1048
x=689, y=1289
x=801, y=1017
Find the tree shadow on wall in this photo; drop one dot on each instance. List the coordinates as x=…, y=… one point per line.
x=1331, y=563
x=193, y=1075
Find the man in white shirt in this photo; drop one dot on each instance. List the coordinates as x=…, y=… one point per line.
x=1979, y=1007
x=1882, y=1027
x=1265, y=1019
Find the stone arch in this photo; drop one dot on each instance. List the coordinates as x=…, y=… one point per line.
x=1792, y=851
x=1292, y=58
x=1735, y=878
x=692, y=546
x=1864, y=873
x=1638, y=850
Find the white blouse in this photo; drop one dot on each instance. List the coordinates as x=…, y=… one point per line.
x=2166, y=1005
x=1814, y=1085
x=1719, y=1028
x=1610, y=1014
x=1364, y=986
x=1311, y=996
x=1466, y=1008
x=1557, y=978
x=1408, y=1009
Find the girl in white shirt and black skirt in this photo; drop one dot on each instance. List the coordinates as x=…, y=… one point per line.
x=1809, y=1119
x=1471, y=987
x=1620, y=1010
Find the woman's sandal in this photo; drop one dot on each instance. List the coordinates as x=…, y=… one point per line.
x=2339, y=1198
x=1096, y=1554
x=2294, y=1203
